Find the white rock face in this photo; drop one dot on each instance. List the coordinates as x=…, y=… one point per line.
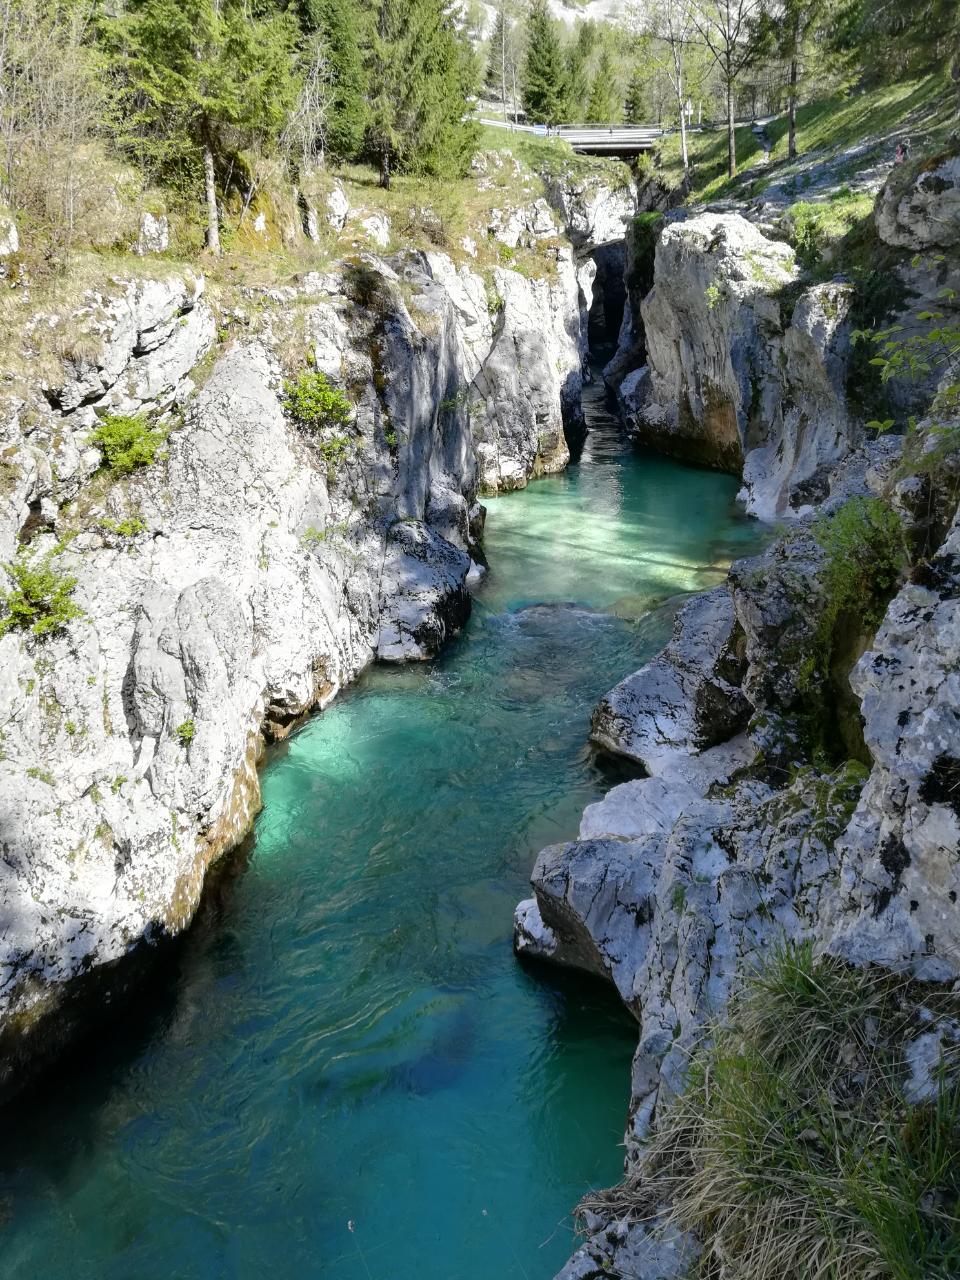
x=900, y=857
x=255, y=579
x=686, y=699
x=9, y=236
x=338, y=208
x=921, y=210
x=731, y=381
x=136, y=346
x=592, y=211
x=153, y=235
x=377, y=228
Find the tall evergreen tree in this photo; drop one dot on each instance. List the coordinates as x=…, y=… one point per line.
x=544, y=81
x=578, y=83
x=419, y=76
x=604, y=104
x=501, y=60
x=635, y=108
x=203, y=79
x=341, y=24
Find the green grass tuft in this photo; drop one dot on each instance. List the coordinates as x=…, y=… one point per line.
x=793, y=1152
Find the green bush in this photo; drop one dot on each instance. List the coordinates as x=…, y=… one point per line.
x=185, y=732
x=865, y=559
x=127, y=442
x=41, y=598
x=793, y=1152
x=313, y=402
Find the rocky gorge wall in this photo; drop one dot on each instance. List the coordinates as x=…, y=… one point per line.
x=250, y=572
x=743, y=831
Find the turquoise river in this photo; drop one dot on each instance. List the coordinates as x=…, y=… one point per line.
x=343, y=1072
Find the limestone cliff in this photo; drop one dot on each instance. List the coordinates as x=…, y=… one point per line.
x=248, y=573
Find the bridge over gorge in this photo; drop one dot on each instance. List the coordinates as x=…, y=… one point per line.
x=623, y=141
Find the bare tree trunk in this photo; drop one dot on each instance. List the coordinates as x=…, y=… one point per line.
x=792, y=108
x=678, y=86
x=385, y=168
x=503, y=62
x=731, y=132
x=210, y=187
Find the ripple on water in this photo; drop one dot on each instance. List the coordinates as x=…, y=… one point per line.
x=346, y=1036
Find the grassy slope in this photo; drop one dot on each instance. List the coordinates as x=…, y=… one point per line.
x=924, y=111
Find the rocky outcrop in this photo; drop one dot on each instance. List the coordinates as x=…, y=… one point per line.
x=741, y=374
x=896, y=903
x=246, y=575
x=919, y=205
x=687, y=698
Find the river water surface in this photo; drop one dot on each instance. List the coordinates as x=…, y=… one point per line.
x=346, y=1073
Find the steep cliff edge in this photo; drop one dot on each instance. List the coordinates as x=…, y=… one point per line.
x=169, y=611
x=798, y=738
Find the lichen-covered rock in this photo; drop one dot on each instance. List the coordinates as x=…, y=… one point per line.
x=153, y=235
x=685, y=700
x=896, y=903
x=919, y=205
x=135, y=346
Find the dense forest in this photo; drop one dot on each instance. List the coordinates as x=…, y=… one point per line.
x=204, y=97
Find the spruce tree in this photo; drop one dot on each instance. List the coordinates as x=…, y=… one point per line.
x=578, y=84
x=341, y=24
x=604, y=104
x=419, y=75
x=636, y=109
x=203, y=79
x=544, y=81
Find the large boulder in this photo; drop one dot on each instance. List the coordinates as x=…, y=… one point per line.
x=919, y=205
x=685, y=700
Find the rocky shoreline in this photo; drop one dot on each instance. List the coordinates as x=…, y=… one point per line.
x=773, y=807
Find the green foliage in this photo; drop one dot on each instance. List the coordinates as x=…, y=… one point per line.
x=132, y=527
x=127, y=442
x=41, y=598
x=713, y=294
x=544, y=86
x=817, y=227
x=936, y=350
x=201, y=77
x=421, y=73
x=865, y=559
x=313, y=402
x=604, y=106
x=341, y=25
x=186, y=732
x=793, y=1149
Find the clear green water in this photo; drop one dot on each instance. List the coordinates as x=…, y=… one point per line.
x=345, y=1036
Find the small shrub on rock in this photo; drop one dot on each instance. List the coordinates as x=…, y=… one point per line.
x=127, y=442
x=312, y=401
x=186, y=732
x=41, y=598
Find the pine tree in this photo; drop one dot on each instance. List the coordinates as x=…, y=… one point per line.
x=544, y=82
x=604, y=104
x=578, y=84
x=635, y=109
x=341, y=23
x=203, y=80
x=419, y=72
